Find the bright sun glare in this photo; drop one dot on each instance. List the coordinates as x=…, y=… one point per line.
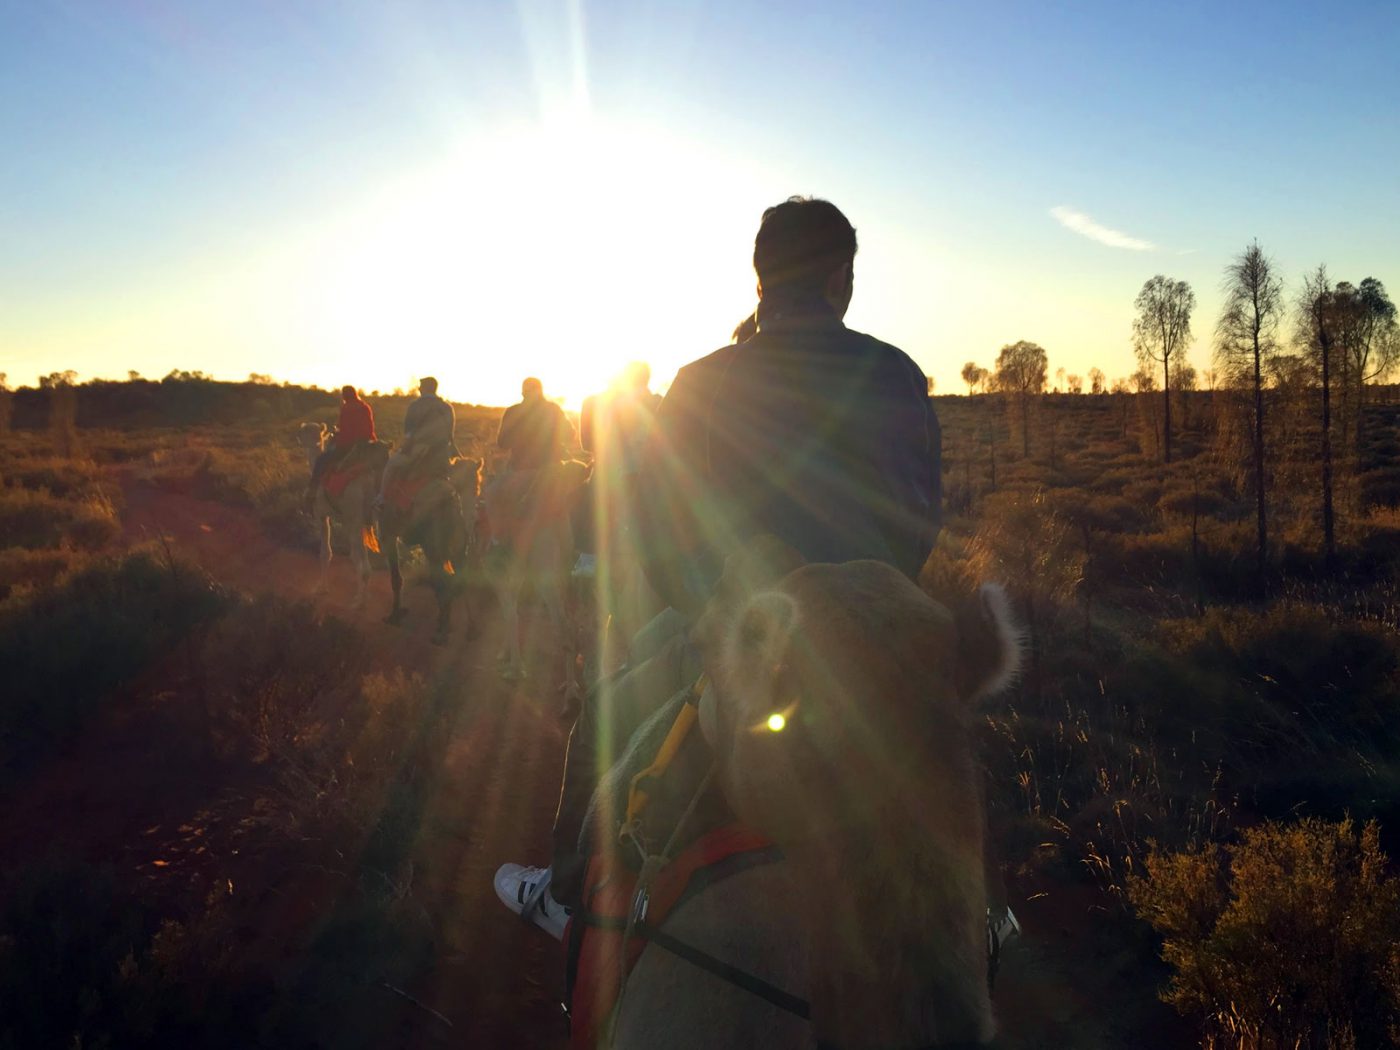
x=557, y=251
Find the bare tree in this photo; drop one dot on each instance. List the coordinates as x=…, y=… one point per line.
x=1021, y=371
x=1246, y=342
x=1162, y=329
x=1317, y=336
x=1096, y=381
x=1059, y=380
x=1074, y=384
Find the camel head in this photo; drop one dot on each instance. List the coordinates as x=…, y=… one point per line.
x=312, y=437
x=843, y=693
x=465, y=476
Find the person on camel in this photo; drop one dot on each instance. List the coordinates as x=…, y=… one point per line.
x=429, y=438
x=615, y=429
x=809, y=431
x=534, y=432
x=355, y=427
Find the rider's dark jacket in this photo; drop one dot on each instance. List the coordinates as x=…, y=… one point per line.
x=818, y=434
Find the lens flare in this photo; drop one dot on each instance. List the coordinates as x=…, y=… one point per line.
x=776, y=722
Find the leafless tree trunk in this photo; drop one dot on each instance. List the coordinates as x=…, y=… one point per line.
x=1161, y=329
x=1245, y=342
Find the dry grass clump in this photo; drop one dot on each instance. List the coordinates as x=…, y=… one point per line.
x=24, y=570
x=1288, y=939
x=34, y=518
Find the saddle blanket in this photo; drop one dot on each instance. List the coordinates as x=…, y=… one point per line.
x=595, y=939
x=339, y=479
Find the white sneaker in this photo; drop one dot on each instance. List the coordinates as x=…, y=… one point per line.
x=1000, y=930
x=525, y=891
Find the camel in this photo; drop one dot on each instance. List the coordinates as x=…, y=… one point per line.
x=530, y=515
x=352, y=507
x=441, y=519
x=840, y=715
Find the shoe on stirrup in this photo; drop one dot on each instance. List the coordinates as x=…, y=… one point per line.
x=525, y=891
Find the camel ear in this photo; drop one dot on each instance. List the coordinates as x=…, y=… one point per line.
x=991, y=644
x=757, y=643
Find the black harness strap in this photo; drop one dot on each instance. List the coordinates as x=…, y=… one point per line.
x=705, y=961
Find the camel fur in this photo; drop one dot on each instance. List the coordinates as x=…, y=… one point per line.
x=877, y=914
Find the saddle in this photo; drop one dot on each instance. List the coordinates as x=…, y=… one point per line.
x=404, y=492
x=656, y=799
x=415, y=482
x=357, y=461
x=595, y=936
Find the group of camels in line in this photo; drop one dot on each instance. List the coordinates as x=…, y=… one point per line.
x=453, y=520
x=874, y=912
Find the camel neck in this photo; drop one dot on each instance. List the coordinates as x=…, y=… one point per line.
x=896, y=963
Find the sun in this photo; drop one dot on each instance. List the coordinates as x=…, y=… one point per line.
x=560, y=251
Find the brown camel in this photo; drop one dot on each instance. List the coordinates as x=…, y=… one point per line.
x=533, y=547
x=840, y=714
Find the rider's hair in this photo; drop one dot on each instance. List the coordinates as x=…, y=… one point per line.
x=531, y=386
x=347, y=391
x=800, y=242
x=745, y=329
x=428, y=385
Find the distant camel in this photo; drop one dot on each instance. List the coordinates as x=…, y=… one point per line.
x=530, y=514
x=440, y=517
x=840, y=714
x=352, y=505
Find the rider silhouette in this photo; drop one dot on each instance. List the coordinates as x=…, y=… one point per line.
x=535, y=431
x=817, y=434
x=429, y=428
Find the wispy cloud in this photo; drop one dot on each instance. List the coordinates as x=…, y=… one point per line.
x=1085, y=226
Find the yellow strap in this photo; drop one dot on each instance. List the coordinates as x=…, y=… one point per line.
x=637, y=797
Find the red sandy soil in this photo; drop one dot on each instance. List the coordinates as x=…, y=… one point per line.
x=108, y=798
x=497, y=981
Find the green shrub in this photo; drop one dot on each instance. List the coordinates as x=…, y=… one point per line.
x=65, y=932
x=1289, y=939
x=67, y=648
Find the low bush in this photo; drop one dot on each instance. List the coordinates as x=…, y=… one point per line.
x=66, y=649
x=34, y=518
x=1289, y=939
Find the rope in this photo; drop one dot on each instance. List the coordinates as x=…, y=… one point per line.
x=637, y=797
x=652, y=863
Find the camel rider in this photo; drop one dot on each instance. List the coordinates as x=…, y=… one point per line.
x=534, y=432
x=817, y=434
x=429, y=428
x=615, y=427
x=356, y=426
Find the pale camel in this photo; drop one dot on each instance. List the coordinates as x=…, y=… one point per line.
x=533, y=547
x=352, y=508
x=876, y=915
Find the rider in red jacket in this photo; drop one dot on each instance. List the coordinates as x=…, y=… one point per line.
x=356, y=420
x=356, y=425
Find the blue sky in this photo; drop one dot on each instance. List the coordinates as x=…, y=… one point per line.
x=366, y=192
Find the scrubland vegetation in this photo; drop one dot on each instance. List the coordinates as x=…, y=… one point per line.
x=1177, y=710
x=1212, y=751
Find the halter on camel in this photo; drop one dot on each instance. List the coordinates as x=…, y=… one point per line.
x=752, y=850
